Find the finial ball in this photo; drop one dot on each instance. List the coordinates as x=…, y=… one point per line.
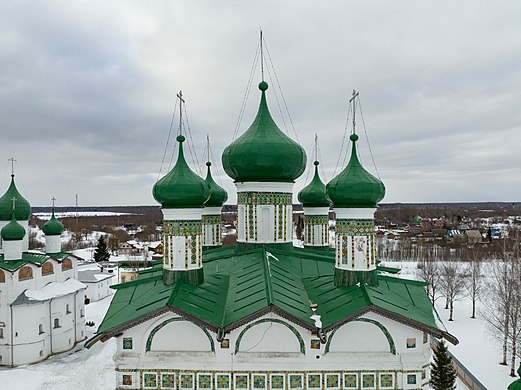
x=263, y=85
x=353, y=137
x=180, y=138
x=316, y=163
x=208, y=164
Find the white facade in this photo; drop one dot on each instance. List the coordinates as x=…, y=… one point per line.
x=270, y=352
x=41, y=311
x=25, y=240
x=97, y=284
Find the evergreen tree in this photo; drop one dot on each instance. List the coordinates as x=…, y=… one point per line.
x=101, y=253
x=443, y=375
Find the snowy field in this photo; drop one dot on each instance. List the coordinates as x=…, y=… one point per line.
x=478, y=349
x=47, y=216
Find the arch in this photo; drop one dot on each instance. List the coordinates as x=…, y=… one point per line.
x=66, y=264
x=277, y=321
x=2, y=276
x=166, y=322
x=25, y=273
x=47, y=268
x=392, y=347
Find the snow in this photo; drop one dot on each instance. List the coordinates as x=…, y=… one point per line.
x=55, y=289
x=478, y=349
x=47, y=216
x=79, y=369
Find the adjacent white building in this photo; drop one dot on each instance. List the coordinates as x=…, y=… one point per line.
x=41, y=301
x=97, y=282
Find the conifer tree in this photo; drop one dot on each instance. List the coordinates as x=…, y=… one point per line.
x=101, y=253
x=443, y=375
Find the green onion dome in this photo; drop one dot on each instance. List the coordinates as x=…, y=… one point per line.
x=354, y=186
x=181, y=187
x=516, y=385
x=264, y=153
x=314, y=194
x=13, y=231
x=53, y=227
x=23, y=208
x=217, y=194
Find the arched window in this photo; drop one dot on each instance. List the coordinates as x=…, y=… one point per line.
x=47, y=268
x=56, y=322
x=25, y=273
x=2, y=276
x=66, y=264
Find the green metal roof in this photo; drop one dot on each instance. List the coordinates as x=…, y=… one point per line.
x=13, y=231
x=354, y=186
x=516, y=385
x=314, y=194
x=23, y=208
x=264, y=153
x=181, y=187
x=53, y=227
x=33, y=258
x=217, y=194
x=241, y=285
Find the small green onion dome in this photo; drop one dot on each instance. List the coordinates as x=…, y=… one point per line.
x=354, y=186
x=23, y=208
x=13, y=231
x=53, y=227
x=264, y=153
x=516, y=385
x=314, y=194
x=217, y=194
x=181, y=187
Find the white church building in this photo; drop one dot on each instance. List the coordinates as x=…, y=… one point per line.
x=263, y=314
x=41, y=301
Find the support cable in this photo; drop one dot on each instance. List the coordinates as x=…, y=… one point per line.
x=343, y=142
x=367, y=139
x=278, y=103
x=167, y=142
x=191, y=145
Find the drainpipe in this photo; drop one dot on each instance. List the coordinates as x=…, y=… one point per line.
x=12, y=337
x=50, y=325
x=75, y=319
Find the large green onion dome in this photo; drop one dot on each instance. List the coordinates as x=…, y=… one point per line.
x=354, y=186
x=516, y=385
x=264, y=153
x=217, y=194
x=53, y=227
x=181, y=187
x=12, y=231
x=314, y=194
x=22, y=209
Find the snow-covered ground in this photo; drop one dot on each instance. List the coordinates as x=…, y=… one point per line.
x=478, y=349
x=46, y=216
x=80, y=369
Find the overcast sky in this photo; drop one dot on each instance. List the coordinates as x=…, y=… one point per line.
x=87, y=90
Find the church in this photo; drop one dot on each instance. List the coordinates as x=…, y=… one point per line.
x=264, y=314
x=41, y=300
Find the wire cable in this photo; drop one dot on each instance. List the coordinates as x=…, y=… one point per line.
x=343, y=141
x=367, y=138
x=278, y=103
x=191, y=145
x=167, y=142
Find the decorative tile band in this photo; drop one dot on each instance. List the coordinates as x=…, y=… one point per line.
x=261, y=198
x=211, y=219
x=355, y=227
x=182, y=228
x=166, y=322
x=267, y=380
x=276, y=321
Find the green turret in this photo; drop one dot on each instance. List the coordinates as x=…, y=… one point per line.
x=264, y=153
x=181, y=187
x=23, y=208
x=13, y=231
x=516, y=385
x=354, y=186
x=314, y=194
x=217, y=194
x=53, y=227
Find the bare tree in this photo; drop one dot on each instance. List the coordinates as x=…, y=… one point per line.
x=474, y=282
x=429, y=271
x=452, y=283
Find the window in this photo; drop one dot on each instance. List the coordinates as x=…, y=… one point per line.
x=2, y=276
x=411, y=379
x=127, y=380
x=425, y=338
x=81, y=313
x=67, y=309
x=127, y=342
x=40, y=329
x=25, y=273
x=47, y=268
x=66, y=264
x=41, y=353
x=56, y=323
x=411, y=343
x=1, y=333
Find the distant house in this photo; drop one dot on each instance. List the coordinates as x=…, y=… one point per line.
x=131, y=248
x=97, y=282
x=473, y=236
